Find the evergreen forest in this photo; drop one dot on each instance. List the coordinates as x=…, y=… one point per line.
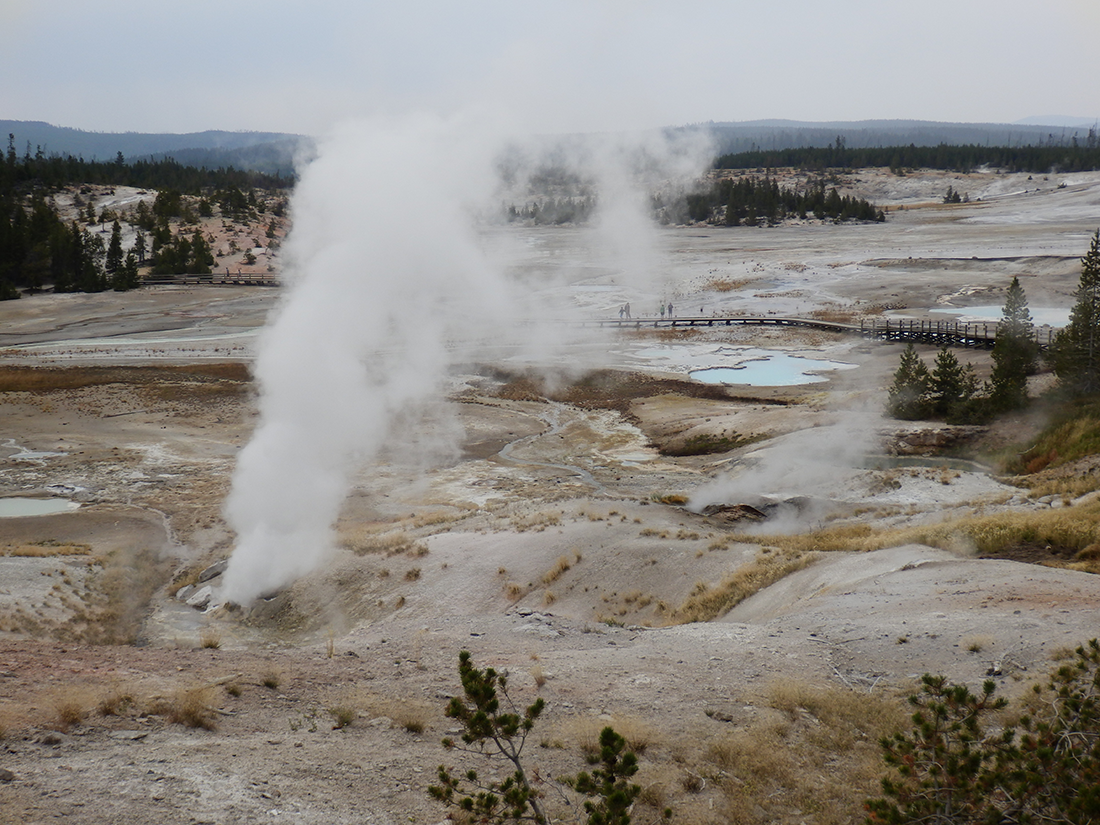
x=750, y=201
x=1076, y=157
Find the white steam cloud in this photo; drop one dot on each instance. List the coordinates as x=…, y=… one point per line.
x=392, y=282
x=818, y=463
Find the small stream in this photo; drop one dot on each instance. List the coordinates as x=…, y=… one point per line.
x=553, y=420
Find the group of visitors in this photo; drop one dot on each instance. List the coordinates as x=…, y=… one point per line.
x=624, y=310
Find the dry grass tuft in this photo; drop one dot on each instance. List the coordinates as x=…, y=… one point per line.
x=1077, y=528
x=46, y=379
x=342, y=716
x=584, y=732
x=757, y=753
x=45, y=549
x=724, y=284
x=1071, y=486
x=554, y=573
x=670, y=498
x=810, y=755
x=1073, y=527
x=845, y=716
x=70, y=708
x=537, y=521
x=707, y=602
x=365, y=539
x=514, y=591
x=210, y=639
x=539, y=675
x=412, y=715
x=118, y=599
x=978, y=643
x=190, y=706
x=115, y=702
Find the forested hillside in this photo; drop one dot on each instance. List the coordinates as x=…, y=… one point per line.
x=48, y=207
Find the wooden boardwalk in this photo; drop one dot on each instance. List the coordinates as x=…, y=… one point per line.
x=936, y=333
x=211, y=280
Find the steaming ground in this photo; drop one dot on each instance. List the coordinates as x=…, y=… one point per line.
x=537, y=543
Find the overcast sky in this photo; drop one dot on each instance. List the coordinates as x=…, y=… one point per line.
x=553, y=65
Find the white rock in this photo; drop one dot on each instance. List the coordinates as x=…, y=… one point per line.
x=201, y=598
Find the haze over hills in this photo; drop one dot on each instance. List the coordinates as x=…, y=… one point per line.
x=276, y=152
x=272, y=152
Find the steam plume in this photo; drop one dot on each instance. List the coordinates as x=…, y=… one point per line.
x=364, y=332
x=391, y=282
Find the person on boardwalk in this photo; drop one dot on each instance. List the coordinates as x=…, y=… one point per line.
x=662, y=312
x=627, y=308
x=622, y=311
x=670, y=309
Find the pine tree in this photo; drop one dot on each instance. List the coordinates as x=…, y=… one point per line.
x=959, y=764
x=498, y=732
x=126, y=276
x=1075, y=351
x=493, y=727
x=907, y=395
x=201, y=257
x=1015, y=351
x=951, y=383
x=91, y=277
x=114, y=249
x=943, y=765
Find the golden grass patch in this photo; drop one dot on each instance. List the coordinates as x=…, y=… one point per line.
x=210, y=639
x=1069, y=486
x=382, y=540
x=1072, y=527
x=412, y=715
x=537, y=521
x=46, y=379
x=191, y=706
x=118, y=597
x=709, y=602
x=584, y=733
x=46, y=549
x=845, y=716
x=724, y=284
x=70, y=706
x=554, y=573
x=811, y=754
x=1076, y=528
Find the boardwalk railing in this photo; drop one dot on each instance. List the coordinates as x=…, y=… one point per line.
x=215, y=279
x=937, y=333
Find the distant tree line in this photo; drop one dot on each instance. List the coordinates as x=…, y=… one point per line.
x=55, y=171
x=553, y=211
x=1076, y=157
x=751, y=201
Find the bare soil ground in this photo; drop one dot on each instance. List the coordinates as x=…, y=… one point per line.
x=551, y=544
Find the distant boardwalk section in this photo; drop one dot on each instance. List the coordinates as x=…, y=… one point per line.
x=216, y=279
x=936, y=333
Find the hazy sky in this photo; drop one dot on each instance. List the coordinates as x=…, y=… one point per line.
x=554, y=65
